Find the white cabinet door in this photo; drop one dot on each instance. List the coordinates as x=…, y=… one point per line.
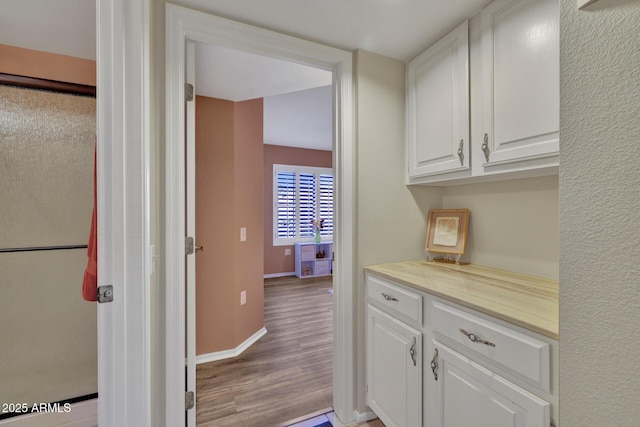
x=438, y=107
x=394, y=370
x=467, y=394
x=520, y=84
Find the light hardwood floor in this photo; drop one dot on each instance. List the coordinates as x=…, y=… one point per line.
x=287, y=373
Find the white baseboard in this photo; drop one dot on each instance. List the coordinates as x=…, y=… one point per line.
x=271, y=275
x=226, y=354
x=82, y=414
x=367, y=416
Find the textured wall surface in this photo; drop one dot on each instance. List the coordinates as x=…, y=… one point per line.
x=599, y=204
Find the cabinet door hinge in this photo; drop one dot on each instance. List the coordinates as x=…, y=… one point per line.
x=188, y=92
x=189, y=400
x=105, y=293
x=189, y=245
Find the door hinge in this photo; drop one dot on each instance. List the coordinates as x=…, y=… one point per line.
x=105, y=293
x=189, y=400
x=189, y=245
x=188, y=92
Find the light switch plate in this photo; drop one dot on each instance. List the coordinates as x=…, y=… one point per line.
x=243, y=234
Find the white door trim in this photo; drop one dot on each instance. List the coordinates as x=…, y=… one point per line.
x=124, y=358
x=184, y=24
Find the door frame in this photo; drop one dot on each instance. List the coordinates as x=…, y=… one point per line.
x=123, y=209
x=183, y=24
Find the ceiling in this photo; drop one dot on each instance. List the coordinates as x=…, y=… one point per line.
x=398, y=29
x=238, y=76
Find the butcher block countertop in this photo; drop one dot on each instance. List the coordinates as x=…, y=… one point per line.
x=527, y=301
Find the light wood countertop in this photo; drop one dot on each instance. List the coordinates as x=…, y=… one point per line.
x=527, y=301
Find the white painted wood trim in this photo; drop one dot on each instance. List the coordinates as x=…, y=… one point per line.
x=123, y=124
x=82, y=414
x=183, y=24
x=272, y=275
x=190, y=108
x=227, y=354
x=364, y=417
x=344, y=238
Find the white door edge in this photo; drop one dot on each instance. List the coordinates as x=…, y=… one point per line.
x=123, y=171
x=190, y=63
x=184, y=24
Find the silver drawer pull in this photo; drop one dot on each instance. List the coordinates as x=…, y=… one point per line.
x=389, y=297
x=474, y=338
x=412, y=351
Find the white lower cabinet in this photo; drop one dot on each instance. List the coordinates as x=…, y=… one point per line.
x=394, y=370
x=463, y=393
x=434, y=363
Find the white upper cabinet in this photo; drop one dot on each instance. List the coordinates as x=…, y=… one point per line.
x=438, y=107
x=483, y=102
x=520, y=84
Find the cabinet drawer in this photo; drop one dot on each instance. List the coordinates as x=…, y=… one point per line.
x=307, y=252
x=524, y=355
x=323, y=267
x=395, y=299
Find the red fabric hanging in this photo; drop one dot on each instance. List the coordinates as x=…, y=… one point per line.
x=90, y=281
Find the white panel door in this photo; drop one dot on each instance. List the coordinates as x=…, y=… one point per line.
x=394, y=370
x=520, y=74
x=438, y=106
x=467, y=394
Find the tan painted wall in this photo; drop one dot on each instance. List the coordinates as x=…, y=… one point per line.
x=249, y=213
x=275, y=261
x=229, y=171
x=599, y=205
x=44, y=65
x=215, y=223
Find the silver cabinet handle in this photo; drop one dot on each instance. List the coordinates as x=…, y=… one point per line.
x=460, y=153
x=474, y=338
x=199, y=248
x=485, y=147
x=412, y=351
x=389, y=297
x=434, y=364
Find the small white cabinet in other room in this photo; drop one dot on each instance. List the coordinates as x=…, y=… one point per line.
x=438, y=107
x=464, y=393
x=520, y=85
x=313, y=259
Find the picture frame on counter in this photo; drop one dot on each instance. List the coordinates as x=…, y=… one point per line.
x=447, y=231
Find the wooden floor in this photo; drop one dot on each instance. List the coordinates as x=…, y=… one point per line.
x=287, y=373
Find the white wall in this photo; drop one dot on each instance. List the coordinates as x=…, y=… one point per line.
x=599, y=205
x=390, y=218
x=513, y=225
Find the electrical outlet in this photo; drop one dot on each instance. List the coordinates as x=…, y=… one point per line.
x=243, y=234
x=287, y=251
x=243, y=297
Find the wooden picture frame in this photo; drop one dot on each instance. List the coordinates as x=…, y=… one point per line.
x=447, y=231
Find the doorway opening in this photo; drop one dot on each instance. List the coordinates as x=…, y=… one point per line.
x=184, y=25
x=263, y=172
